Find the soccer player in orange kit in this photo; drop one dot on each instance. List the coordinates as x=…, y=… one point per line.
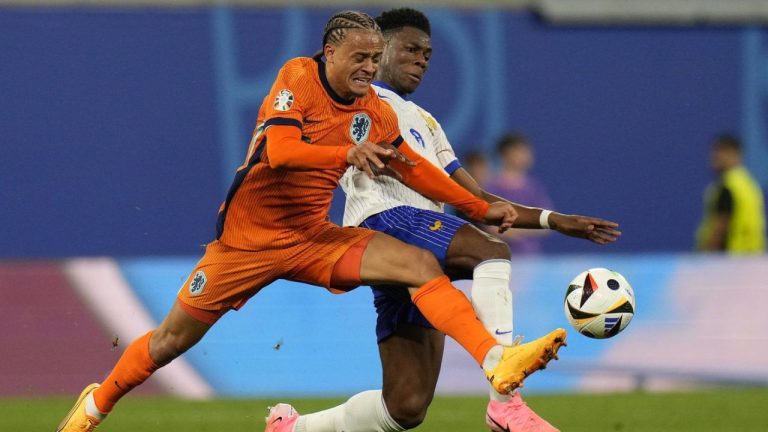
x=319, y=118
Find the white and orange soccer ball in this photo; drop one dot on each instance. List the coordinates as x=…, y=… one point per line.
x=599, y=303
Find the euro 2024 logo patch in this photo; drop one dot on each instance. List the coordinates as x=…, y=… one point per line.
x=198, y=283
x=360, y=128
x=283, y=100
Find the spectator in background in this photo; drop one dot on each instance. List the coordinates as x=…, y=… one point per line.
x=516, y=184
x=734, y=215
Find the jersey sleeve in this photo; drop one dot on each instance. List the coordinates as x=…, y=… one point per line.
x=390, y=125
x=444, y=152
x=288, y=98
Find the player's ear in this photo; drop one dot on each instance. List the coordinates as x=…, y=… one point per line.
x=328, y=51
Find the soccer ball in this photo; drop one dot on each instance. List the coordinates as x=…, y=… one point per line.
x=599, y=303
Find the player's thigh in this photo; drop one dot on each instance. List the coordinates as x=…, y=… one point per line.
x=387, y=260
x=471, y=246
x=411, y=358
x=225, y=279
x=330, y=257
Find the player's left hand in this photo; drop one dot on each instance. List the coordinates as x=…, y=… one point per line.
x=367, y=156
x=501, y=214
x=388, y=170
x=596, y=230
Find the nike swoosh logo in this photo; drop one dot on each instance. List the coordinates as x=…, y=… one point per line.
x=279, y=419
x=502, y=332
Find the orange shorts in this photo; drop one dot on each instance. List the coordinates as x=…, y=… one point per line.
x=226, y=277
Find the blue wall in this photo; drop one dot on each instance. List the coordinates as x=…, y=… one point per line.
x=121, y=128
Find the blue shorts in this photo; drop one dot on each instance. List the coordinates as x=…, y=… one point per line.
x=426, y=229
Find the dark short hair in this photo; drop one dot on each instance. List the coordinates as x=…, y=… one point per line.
x=511, y=140
x=727, y=141
x=395, y=19
x=337, y=26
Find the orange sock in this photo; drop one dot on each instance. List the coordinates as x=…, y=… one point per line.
x=133, y=368
x=449, y=310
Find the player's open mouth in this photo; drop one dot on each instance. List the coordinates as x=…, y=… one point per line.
x=361, y=81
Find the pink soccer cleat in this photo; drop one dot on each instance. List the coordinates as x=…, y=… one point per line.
x=515, y=416
x=281, y=418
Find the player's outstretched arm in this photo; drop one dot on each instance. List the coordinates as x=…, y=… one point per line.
x=430, y=181
x=594, y=229
x=527, y=217
x=285, y=149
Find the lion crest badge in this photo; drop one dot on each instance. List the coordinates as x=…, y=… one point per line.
x=360, y=128
x=197, y=284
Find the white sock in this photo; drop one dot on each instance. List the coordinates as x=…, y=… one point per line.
x=492, y=301
x=90, y=408
x=363, y=412
x=492, y=358
x=321, y=421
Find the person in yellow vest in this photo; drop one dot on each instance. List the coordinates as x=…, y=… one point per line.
x=734, y=213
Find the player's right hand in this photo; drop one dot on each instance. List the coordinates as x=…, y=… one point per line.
x=596, y=230
x=501, y=214
x=373, y=159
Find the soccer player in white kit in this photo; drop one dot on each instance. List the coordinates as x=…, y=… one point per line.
x=410, y=348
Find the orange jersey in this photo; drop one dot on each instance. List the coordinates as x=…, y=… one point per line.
x=270, y=207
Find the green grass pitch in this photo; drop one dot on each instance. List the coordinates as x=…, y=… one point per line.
x=732, y=410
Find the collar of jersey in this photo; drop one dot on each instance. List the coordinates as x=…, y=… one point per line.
x=327, y=85
x=386, y=86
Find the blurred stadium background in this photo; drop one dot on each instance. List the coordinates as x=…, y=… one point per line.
x=122, y=123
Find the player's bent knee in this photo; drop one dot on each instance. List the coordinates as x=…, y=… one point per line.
x=410, y=411
x=470, y=247
x=424, y=265
x=498, y=249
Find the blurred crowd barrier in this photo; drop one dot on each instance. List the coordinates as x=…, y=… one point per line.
x=699, y=321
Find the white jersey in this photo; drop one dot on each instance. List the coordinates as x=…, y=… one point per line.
x=367, y=197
